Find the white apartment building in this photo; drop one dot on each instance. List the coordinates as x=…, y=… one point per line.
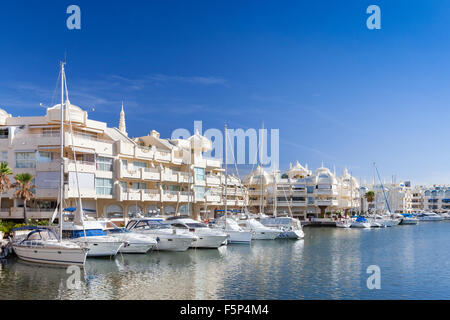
x=436, y=198
x=399, y=198
x=118, y=177
x=301, y=192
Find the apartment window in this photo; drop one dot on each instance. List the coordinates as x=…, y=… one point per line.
x=104, y=164
x=310, y=200
x=139, y=186
x=104, y=186
x=310, y=189
x=4, y=156
x=85, y=158
x=199, y=174
x=199, y=192
x=124, y=186
x=50, y=132
x=139, y=164
x=25, y=159
x=46, y=157
x=4, y=133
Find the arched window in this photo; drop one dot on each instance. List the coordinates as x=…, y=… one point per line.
x=169, y=210
x=134, y=211
x=184, y=209
x=114, y=211
x=153, y=210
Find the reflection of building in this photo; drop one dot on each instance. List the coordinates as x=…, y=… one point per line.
x=118, y=177
x=301, y=192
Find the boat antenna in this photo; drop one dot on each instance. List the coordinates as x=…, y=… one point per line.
x=226, y=174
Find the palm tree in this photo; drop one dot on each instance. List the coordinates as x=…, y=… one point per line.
x=370, y=196
x=5, y=183
x=24, y=190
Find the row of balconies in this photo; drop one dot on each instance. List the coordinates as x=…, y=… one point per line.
x=18, y=213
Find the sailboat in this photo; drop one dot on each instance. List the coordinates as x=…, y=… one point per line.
x=290, y=227
x=235, y=234
x=41, y=244
x=88, y=233
x=250, y=223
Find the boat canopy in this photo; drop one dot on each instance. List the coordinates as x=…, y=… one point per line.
x=73, y=209
x=361, y=219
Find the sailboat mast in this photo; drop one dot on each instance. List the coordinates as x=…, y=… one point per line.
x=275, y=192
x=61, y=177
x=226, y=174
x=262, y=170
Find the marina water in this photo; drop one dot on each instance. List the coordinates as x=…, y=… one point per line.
x=330, y=263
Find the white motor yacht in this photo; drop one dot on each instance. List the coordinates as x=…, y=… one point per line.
x=260, y=231
x=290, y=228
x=408, y=219
x=41, y=245
x=207, y=237
x=134, y=242
x=167, y=237
x=361, y=222
x=429, y=216
x=344, y=223
x=235, y=233
x=92, y=235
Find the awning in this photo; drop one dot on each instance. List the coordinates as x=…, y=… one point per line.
x=83, y=150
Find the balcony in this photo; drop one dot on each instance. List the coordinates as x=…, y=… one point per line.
x=84, y=193
x=84, y=141
x=144, y=153
x=213, y=198
x=170, y=196
x=183, y=177
x=32, y=213
x=33, y=140
x=327, y=192
x=125, y=148
x=212, y=180
x=130, y=172
x=151, y=195
x=162, y=156
x=48, y=166
x=213, y=163
x=79, y=166
x=185, y=196
x=151, y=174
x=327, y=203
x=46, y=193
x=169, y=176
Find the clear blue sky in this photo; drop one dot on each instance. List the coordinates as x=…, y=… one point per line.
x=338, y=92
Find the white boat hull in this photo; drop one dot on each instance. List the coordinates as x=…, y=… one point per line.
x=364, y=225
x=208, y=241
x=409, y=221
x=137, y=248
x=173, y=244
x=343, y=224
x=55, y=256
x=239, y=236
x=292, y=234
x=99, y=248
x=266, y=235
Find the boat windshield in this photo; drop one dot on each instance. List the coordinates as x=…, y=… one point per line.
x=149, y=225
x=41, y=235
x=89, y=233
x=119, y=230
x=196, y=225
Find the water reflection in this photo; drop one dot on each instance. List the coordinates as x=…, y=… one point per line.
x=328, y=264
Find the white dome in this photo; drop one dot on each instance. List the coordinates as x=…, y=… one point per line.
x=254, y=177
x=200, y=142
x=3, y=116
x=324, y=176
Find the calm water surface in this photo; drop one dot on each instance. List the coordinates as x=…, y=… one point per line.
x=329, y=263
